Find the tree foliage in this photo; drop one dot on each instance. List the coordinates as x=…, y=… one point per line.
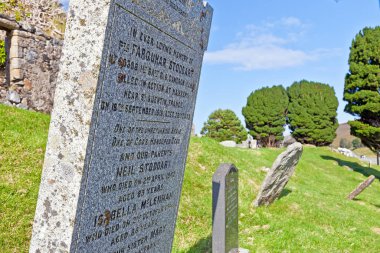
x=47, y=15
x=224, y=125
x=344, y=143
x=3, y=56
x=356, y=143
x=265, y=114
x=362, y=87
x=312, y=112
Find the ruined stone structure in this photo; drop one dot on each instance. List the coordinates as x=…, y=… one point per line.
x=32, y=66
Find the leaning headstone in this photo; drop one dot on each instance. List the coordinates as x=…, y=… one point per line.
x=225, y=230
x=361, y=187
x=121, y=125
x=279, y=175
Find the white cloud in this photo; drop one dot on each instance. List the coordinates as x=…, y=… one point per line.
x=259, y=57
x=269, y=46
x=291, y=21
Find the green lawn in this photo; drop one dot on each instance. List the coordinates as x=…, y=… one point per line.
x=311, y=216
x=23, y=138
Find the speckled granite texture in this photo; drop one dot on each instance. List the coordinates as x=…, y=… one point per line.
x=120, y=126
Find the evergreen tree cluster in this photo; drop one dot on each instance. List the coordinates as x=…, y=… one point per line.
x=309, y=109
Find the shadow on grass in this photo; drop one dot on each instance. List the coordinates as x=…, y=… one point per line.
x=358, y=199
x=204, y=245
x=365, y=171
x=284, y=193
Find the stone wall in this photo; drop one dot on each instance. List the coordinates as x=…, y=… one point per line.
x=32, y=67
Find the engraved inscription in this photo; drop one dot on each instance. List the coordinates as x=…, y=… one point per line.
x=144, y=113
x=231, y=211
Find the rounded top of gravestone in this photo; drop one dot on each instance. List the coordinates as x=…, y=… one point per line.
x=223, y=170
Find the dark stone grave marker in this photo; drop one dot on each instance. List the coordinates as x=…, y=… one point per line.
x=225, y=229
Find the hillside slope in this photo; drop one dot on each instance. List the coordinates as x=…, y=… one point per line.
x=343, y=132
x=311, y=216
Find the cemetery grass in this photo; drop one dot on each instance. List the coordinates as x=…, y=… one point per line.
x=312, y=214
x=23, y=138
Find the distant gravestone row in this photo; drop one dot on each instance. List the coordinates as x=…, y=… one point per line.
x=250, y=143
x=121, y=125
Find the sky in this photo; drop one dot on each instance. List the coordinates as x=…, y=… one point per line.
x=261, y=43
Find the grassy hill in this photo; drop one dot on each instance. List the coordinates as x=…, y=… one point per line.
x=312, y=214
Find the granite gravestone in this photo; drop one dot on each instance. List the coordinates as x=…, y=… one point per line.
x=279, y=175
x=121, y=125
x=225, y=227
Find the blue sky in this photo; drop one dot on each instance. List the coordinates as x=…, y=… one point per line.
x=257, y=43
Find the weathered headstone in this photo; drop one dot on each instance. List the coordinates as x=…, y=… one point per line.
x=225, y=230
x=121, y=125
x=361, y=187
x=279, y=175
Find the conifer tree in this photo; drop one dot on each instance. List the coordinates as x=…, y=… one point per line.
x=223, y=125
x=265, y=114
x=312, y=112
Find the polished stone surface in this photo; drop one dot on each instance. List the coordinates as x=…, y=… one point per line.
x=121, y=125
